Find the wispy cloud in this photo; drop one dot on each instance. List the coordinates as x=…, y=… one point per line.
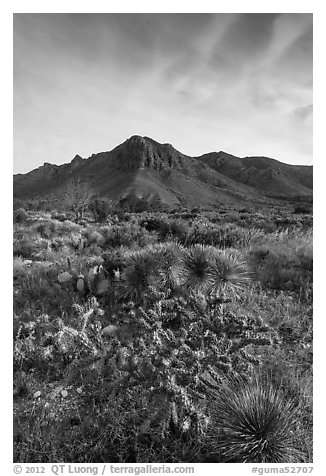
x=237, y=82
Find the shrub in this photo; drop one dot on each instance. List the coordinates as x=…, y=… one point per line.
x=167, y=228
x=37, y=290
x=20, y=216
x=59, y=216
x=167, y=355
x=24, y=247
x=223, y=236
x=301, y=209
x=207, y=268
x=101, y=209
x=125, y=235
x=284, y=264
x=252, y=422
x=46, y=229
x=179, y=230
x=113, y=261
x=152, y=223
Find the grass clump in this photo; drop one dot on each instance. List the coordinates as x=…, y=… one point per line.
x=284, y=262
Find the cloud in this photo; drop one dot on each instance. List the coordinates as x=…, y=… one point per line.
x=238, y=82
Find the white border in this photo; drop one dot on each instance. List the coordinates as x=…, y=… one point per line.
x=7, y=9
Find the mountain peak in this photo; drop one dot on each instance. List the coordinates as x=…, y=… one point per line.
x=139, y=152
x=77, y=160
x=136, y=138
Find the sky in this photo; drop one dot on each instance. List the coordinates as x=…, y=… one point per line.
x=84, y=83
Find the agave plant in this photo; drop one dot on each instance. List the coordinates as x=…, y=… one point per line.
x=252, y=422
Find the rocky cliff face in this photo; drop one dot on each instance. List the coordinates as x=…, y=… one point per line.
x=145, y=153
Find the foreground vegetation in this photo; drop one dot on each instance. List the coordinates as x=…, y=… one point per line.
x=163, y=337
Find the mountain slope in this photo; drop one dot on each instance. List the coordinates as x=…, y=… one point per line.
x=142, y=166
x=263, y=173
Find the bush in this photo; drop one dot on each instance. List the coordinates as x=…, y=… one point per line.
x=133, y=204
x=101, y=209
x=253, y=422
x=38, y=289
x=284, y=264
x=24, y=247
x=301, y=209
x=152, y=223
x=222, y=236
x=46, y=229
x=59, y=216
x=125, y=235
x=20, y=216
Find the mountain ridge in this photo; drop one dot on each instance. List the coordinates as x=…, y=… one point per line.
x=149, y=169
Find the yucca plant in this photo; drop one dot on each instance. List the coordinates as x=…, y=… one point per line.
x=208, y=269
x=168, y=256
x=138, y=277
x=228, y=273
x=253, y=422
x=196, y=268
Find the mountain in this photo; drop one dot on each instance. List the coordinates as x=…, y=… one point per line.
x=262, y=173
x=151, y=170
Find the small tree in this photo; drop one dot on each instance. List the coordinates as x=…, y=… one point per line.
x=101, y=208
x=77, y=197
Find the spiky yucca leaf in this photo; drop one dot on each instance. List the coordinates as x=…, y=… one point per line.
x=167, y=256
x=196, y=267
x=138, y=277
x=252, y=422
x=228, y=272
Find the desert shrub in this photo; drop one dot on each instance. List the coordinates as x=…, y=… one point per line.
x=253, y=422
x=20, y=216
x=292, y=373
x=301, y=209
x=20, y=269
x=57, y=243
x=40, y=291
x=101, y=209
x=223, y=236
x=179, y=230
x=288, y=221
x=145, y=272
x=59, y=216
x=113, y=261
x=167, y=228
x=92, y=235
x=46, y=229
x=24, y=247
x=125, y=235
x=284, y=264
x=151, y=223
x=68, y=227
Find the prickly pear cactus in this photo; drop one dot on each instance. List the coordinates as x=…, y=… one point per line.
x=93, y=282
